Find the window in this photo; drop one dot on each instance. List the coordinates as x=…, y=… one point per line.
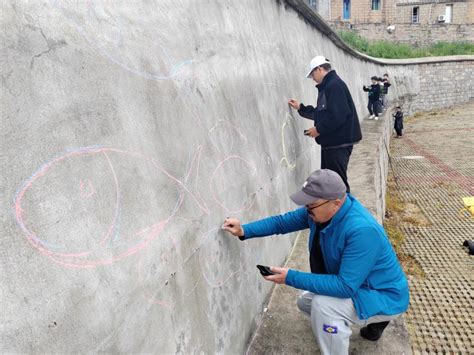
x=346, y=9
x=415, y=15
x=448, y=14
x=313, y=4
x=375, y=4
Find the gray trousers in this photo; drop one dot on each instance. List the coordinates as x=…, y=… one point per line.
x=331, y=320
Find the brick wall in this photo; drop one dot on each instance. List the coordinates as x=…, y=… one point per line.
x=429, y=13
x=361, y=11
x=395, y=12
x=416, y=34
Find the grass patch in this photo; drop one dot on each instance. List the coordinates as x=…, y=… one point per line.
x=398, y=212
x=412, y=266
x=393, y=203
x=395, y=235
x=385, y=49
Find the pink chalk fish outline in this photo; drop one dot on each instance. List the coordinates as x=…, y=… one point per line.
x=77, y=260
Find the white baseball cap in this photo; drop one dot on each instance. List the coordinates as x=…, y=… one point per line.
x=316, y=62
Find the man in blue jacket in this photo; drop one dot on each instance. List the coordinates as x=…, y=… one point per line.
x=355, y=275
x=336, y=124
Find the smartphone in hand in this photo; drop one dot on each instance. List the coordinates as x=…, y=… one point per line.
x=265, y=270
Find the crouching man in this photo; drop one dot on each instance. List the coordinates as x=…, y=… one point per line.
x=355, y=275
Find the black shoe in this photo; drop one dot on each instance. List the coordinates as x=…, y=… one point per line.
x=373, y=331
x=470, y=245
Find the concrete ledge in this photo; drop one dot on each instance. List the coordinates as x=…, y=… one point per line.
x=368, y=166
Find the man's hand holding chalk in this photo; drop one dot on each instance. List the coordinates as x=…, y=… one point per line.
x=233, y=226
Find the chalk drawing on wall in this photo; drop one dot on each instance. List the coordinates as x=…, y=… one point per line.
x=159, y=272
x=133, y=49
x=288, y=145
x=72, y=208
x=162, y=271
x=216, y=253
x=237, y=170
x=48, y=208
x=228, y=133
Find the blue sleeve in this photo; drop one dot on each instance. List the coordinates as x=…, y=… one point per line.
x=286, y=223
x=358, y=258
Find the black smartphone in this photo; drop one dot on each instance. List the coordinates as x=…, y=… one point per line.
x=265, y=270
x=306, y=132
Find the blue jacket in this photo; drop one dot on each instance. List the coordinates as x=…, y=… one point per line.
x=359, y=258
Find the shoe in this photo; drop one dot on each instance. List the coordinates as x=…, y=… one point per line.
x=371, y=117
x=373, y=331
x=470, y=245
x=376, y=118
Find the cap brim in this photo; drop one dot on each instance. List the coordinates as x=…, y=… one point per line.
x=302, y=198
x=309, y=74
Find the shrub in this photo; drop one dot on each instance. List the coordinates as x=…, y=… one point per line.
x=385, y=49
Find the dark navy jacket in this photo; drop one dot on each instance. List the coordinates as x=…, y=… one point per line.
x=359, y=258
x=374, y=92
x=335, y=116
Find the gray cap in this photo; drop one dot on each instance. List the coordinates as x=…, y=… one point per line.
x=324, y=184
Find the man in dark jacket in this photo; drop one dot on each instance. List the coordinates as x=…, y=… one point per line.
x=336, y=125
x=374, y=105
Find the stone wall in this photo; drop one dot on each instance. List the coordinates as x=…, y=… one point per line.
x=440, y=85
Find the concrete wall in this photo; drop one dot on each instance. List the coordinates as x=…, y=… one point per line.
x=129, y=131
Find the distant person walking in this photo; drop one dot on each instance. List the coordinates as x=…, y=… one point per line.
x=336, y=125
x=374, y=105
x=398, y=124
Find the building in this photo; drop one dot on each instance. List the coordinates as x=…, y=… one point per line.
x=418, y=22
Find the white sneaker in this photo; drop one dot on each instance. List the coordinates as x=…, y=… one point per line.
x=376, y=118
x=371, y=117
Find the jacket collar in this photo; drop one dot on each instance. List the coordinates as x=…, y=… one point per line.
x=329, y=76
x=342, y=211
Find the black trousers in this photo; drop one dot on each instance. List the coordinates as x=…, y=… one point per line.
x=337, y=159
x=375, y=107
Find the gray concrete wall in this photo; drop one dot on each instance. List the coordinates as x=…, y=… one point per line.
x=129, y=131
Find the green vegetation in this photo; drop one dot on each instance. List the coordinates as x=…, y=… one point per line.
x=397, y=214
x=384, y=49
